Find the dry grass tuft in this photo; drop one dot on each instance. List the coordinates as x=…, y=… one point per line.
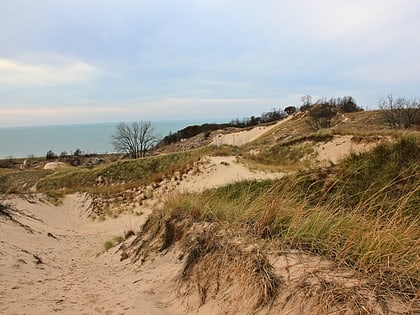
x=212, y=259
x=322, y=296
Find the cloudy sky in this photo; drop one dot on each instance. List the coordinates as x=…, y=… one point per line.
x=119, y=60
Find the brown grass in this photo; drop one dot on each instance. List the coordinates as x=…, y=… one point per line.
x=212, y=259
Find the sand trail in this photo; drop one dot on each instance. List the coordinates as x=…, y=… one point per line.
x=57, y=269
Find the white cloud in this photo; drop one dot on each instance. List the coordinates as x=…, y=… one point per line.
x=388, y=72
x=14, y=72
x=201, y=58
x=332, y=18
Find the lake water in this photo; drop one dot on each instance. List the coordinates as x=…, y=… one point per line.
x=21, y=142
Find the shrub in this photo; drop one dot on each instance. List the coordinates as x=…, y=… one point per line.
x=321, y=115
x=51, y=155
x=401, y=112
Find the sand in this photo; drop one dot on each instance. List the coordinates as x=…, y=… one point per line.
x=244, y=137
x=338, y=148
x=219, y=171
x=69, y=276
x=57, y=264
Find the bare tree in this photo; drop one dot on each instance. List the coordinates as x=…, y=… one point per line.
x=135, y=138
x=400, y=112
x=306, y=102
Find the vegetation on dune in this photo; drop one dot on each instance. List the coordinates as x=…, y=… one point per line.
x=21, y=181
x=191, y=131
x=283, y=157
x=213, y=259
x=122, y=174
x=362, y=213
x=400, y=112
x=288, y=154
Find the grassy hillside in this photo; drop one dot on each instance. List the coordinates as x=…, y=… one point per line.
x=123, y=173
x=363, y=213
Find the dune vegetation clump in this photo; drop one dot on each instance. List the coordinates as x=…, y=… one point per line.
x=215, y=258
x=122, y=175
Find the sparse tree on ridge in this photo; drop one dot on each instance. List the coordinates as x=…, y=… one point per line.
x=306, y=102
x=135, y=138
x=401, y=112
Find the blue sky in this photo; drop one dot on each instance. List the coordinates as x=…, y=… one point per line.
x=120, y=60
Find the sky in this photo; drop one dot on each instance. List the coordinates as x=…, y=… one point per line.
x=84, y=61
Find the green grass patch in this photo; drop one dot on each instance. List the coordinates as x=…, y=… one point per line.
x=21, y=181
x=119, y=175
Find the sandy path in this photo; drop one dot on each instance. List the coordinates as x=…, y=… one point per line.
x=72, y=278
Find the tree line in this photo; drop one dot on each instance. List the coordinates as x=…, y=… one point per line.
x=191, y=131
x=137, y=138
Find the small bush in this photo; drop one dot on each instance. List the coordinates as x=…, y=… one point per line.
x=321, y=115
x=51, y=155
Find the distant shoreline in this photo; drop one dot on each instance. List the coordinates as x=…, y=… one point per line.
x=94, y=138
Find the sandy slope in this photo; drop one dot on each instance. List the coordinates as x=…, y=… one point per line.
x=60, y=267
x=219, y=171
x=71, y=279
x=243, y=137
x=341, y=146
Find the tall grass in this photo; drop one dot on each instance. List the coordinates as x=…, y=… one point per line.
x=363, y=213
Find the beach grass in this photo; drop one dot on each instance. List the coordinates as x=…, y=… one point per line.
x=120, y=175
x=362, y=213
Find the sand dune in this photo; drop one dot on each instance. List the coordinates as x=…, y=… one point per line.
x=55, y=261
x=243, y=137
x=59, y=265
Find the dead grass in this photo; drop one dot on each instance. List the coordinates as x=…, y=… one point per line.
x=230, y=261
x=213, y=258
x=279, y=157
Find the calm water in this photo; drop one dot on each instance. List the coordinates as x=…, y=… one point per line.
x=90, y=138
